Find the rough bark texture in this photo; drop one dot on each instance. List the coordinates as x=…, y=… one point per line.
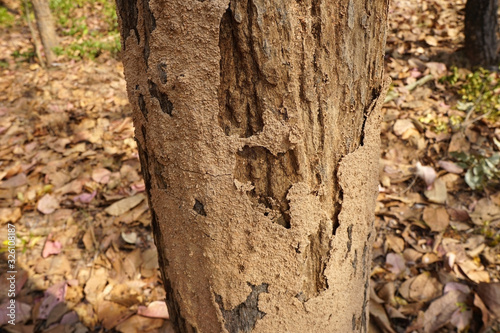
x=481, y=25
x=46, y=28
x=257, y=128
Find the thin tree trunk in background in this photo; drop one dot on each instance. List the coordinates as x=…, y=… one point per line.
x=34, y=35
x=46, y=28
x=257, y=128
x=481, y=25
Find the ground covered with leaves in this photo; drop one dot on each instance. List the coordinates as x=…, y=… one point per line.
x=70, y=182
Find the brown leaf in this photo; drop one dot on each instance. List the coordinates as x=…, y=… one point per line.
x=402, y=125
x=450, y=167
x=485, y=211
x=379, y=315
x=95, y=285
x=461, y=319
x=458, y=214
x=436, y=218
x=47, y=204
x=15, y=181
x=427, y=173
x=459, y=143
x=101, y=175
x=112, y=314
x=421, y=288
x=139, y=324
x=126, y=294
x=395, y=262
x=124, y=205
x=397, y=244
x=51, y=247
x=156, y=309
x=441, y=310
x=431, y=40
x=438, y=192
x=10, y=215
x=486, y=314
x=490, y=295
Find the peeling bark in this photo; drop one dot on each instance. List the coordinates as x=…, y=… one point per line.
x=257, y=128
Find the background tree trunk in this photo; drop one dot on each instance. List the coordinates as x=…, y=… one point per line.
x=481, y=25
x=46, y=28
x=257, y=128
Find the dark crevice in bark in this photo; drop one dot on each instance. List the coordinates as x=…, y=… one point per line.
x=162, y=71
x=355, y=261
x=160, y=176
x=349, y=240
x=199, y=208
x=128, y=12
x=318, y=72
x=364, y=310
x=149, y=27
x=337, y=206
x=272, y=176
x=244, y=316
x=165, y=104
x=317, y=258
x=142, y=106
x=240, y=112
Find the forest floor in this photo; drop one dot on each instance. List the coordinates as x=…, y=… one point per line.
x=71, y=187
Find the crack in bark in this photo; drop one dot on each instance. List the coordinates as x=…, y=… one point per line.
x=272, y=176
x=149, y=27
x=165, y=104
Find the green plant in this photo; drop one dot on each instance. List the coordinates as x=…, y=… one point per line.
x=481, y=171
x=77, y=18
x=436, y=124
x=490, y=233
x=6, y=18
x=479, y=91
x=24, y=56
x=453, y=78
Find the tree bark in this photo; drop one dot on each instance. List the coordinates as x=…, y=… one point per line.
x=257, y=128
x=481, y=25
x=46, y=28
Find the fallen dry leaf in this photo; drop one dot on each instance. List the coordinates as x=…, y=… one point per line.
x=441, y=310
x=51, y=247
x=436, y=218
x=421, y=288
x=101, y=175
x=395, y=262
x=124, y=205
x=139, y=324
x=450, y=167
x=15, y=181
x=438, y=193
x=490, y=295
x=426, y=173
x=48, y=204
x=156, y=309
x=112, y=314
x=379, y=315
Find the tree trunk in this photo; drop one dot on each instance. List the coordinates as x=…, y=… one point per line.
x=481, y=32
x=257, y=127
x=46, y=28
